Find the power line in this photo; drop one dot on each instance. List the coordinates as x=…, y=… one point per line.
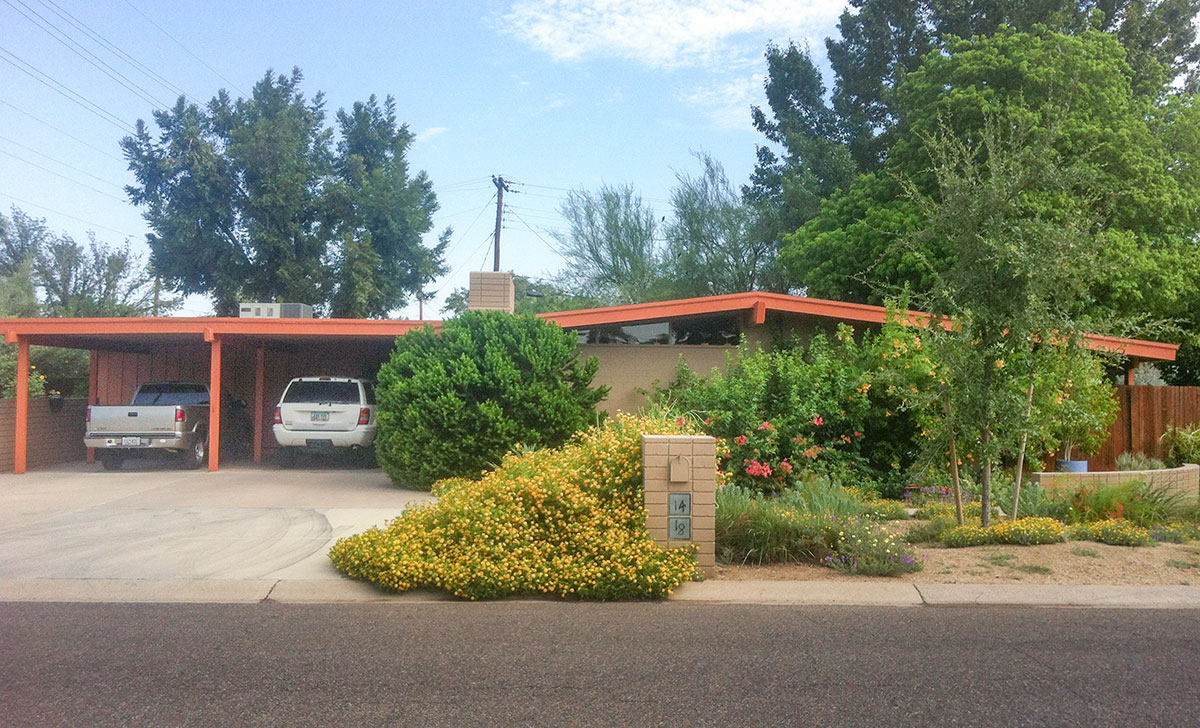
x=181, y=45
x=75, y=47
x=59, y=161
x=65, y=133
x=67, y=215
x=547, y=243
x=47, y=170
x=462, y=236
x=65, y=92
x=115, y=49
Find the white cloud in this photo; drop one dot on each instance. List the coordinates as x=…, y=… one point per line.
x=727, y=103
x=427, y=134
x=667, y=33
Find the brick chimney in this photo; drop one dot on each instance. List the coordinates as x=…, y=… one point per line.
x=491, y=291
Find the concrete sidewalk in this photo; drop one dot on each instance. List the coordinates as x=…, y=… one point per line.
x=798, y=593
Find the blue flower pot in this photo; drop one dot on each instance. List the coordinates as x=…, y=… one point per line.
x=1071, y=466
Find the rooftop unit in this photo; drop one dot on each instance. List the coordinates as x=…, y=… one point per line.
x=275, y=310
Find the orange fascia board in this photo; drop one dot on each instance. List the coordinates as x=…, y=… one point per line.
x=758, y=303
x=15, y=329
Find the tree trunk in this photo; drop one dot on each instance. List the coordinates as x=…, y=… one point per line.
x=985, y=484
x=1021, y=454
x=958, y=502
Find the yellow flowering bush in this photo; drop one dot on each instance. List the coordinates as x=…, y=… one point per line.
x=1029, y=531
x=883, y=509
x=962, y=536
x=1115, y=532
x=568, y=521
x=932, y=510
x=1021, y=532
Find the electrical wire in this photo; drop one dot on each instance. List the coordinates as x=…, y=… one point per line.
x=59, y=161
x=65, y=133
x=115, y=49
x=64, y=91
x=462, y=236
x=181, y=45
x=27, y=203
x=75, y=47
x=47, y=170
x=547, y=243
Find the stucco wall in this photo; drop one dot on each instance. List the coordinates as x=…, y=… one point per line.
x=626, y=368
x=1184, y=481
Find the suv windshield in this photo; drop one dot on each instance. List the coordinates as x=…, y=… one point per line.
x=331, y=392
x=171, y=393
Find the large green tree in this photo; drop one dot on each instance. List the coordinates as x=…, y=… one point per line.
x=610, y=245
x=711, y=242
x=819, y=141
x=47, y=274
x=1078, y=93
x=251, y=199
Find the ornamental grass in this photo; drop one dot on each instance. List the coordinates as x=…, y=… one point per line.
x=568, y=522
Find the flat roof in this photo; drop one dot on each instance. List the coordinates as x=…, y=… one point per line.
x=758, y=304
x=88, y=333
x=99, y=333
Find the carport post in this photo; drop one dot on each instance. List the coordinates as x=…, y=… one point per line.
x=259, y=376
x=93, y=390
x=214, y=402
x=21, y=434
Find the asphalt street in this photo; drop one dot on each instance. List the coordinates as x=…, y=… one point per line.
x=548, y=663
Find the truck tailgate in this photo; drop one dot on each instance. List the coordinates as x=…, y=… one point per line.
x=120, y=420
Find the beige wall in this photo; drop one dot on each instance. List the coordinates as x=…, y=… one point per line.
x=626, y=368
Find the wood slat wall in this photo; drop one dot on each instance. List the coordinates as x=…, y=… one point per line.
x=1144, y=415
x=54, y=437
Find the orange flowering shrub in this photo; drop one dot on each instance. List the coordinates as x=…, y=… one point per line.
x=568, y=521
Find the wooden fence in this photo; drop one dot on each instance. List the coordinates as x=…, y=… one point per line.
x=1144, y=415
x=54, y=437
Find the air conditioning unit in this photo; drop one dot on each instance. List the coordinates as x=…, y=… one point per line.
x=275, y=310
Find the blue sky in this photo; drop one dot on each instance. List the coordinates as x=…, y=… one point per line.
x=554, y=94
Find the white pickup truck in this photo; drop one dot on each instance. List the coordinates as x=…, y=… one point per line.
x=164, y=416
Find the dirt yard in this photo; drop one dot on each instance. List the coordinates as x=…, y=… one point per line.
x=1074, y=562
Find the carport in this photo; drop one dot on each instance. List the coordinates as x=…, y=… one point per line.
x=240, y=358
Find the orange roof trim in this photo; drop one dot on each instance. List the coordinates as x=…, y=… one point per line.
x=16, y=329
x=757, y=304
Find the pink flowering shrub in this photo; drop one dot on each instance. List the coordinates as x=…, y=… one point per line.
x=803, y=408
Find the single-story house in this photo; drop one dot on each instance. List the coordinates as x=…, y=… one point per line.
x=252, y=359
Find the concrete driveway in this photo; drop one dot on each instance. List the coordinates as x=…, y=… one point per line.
x=158, y=524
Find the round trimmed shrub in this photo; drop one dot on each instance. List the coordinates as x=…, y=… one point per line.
x=569, y=522
x=452, y=404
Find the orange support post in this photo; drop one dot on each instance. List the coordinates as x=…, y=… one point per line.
x=259, y=377
x=93, y=390
x=21, y=434
x=214, y=407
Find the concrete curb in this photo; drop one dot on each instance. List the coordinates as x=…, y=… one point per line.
x=793, y=593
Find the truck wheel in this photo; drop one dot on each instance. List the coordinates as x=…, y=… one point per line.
x=110, y=460
x=195, y=457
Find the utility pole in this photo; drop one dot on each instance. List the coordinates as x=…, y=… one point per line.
x=501, y=188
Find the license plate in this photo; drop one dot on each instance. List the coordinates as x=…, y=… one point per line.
x=320, y=416
x=131, y=441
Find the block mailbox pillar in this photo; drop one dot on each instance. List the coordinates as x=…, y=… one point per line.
x=681, y=492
